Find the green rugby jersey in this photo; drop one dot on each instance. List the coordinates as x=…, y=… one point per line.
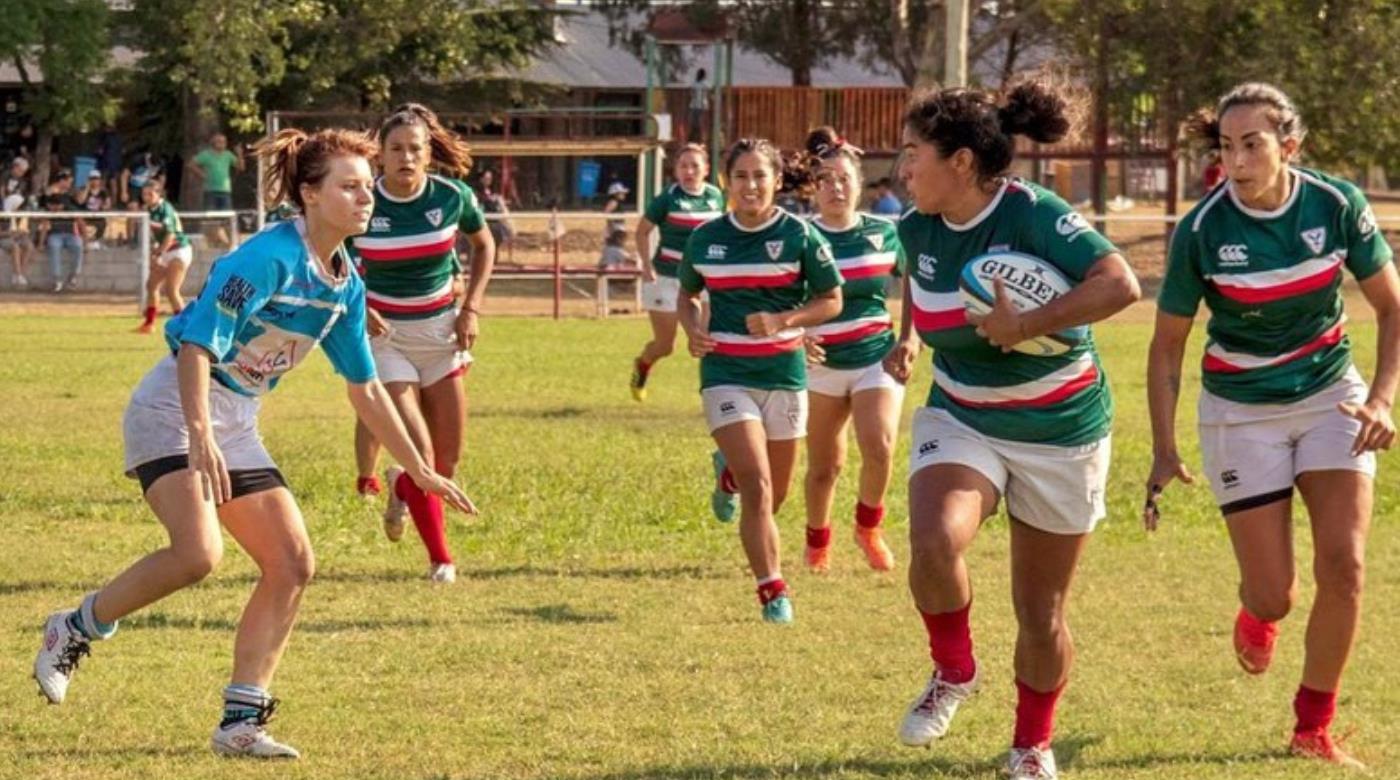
x=165, y=221
x=868, y=255
x=1272, y=282
x=1061, y=399
x=771, y=268
x=408, y=256
x=675, y=213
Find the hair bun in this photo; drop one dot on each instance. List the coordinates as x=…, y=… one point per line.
x=1034, y=111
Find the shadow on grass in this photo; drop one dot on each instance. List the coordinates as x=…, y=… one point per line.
x=131, y=752
x=560, y=614
x=383, y=576
x=160, y=620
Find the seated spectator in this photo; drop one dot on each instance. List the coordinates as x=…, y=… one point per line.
x=885, y=202
x=62, y=232
x=93, y=197
x=15, y=239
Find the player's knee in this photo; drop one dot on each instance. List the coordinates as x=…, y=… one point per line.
x=1041, y=619
x=197, y=559
x=294, y=568
x=1273, y=603
x=1341, y=574
x=933, y=549
x=824, y=475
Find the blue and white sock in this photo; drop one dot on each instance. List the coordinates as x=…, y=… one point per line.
x=84, y=623
x=243, y=702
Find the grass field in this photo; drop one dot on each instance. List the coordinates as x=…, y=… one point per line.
x=604, y=628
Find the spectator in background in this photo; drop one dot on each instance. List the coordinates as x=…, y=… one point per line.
x=493, y=201
x=109, y=158
x=617, y=196
x=1212, y=174
x=14, y=238
x=885, y=202
x=615, y=256
x=93, y=197
x=142, y=170
x=16, y=181
x=698, y=107
x=63, y=232
x=213, y=167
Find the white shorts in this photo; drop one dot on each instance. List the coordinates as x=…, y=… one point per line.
x=662, y=294
x=153, y=426
x=180, y=254
x=783, y=413
x=1253, y=453
x=423, y=352
x=846, y=382
x=1059, y=490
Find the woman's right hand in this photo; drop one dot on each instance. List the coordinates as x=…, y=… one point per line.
x=648, y=273
x=445, y=489
x=700, y=343
x=899, y=363
x=1165, y=468
x=207, y=462
x=376, y=324
x=815, y=354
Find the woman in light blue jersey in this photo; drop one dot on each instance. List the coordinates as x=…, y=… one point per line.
x=191, y=427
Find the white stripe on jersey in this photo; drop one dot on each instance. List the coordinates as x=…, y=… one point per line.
x=718, y=271
x=1259, y=280
x=735, y=338
x=865, y=261
x=833, y=328
x=934, y=301
x=1025, y=391
x=403, y=242
x=445, y=289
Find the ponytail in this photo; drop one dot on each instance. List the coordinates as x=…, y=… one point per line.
x=293, y=158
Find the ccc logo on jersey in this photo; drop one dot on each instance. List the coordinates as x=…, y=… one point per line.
x=926, y=264
x=1233, y=254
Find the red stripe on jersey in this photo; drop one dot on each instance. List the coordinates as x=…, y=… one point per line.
x=925, y=321
x=736, y=282
x=410, y=308
x=855, y=334
x=686, y=220
x=1219, y=365
x=866, y=271
x=759, y=349
x=409, y=252
x=1066, y=390
x=1287, y=290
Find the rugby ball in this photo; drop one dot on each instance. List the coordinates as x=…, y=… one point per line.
x=1030, y=283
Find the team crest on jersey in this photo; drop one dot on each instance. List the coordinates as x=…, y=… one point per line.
x=379, y=224
x=927, y=264
x=716, y=252
x=876, y=240
x=686, y=205
x=775, y=249
x=1315, y=238
x=434, y=216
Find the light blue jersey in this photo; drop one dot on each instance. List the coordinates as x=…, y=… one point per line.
x=267, y=304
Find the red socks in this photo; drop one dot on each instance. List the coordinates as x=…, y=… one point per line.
x=869, y=516
x=818, y=537
x=1035, y=716
x=643, y=368
x=1257, y=632
x=426, y=510
x=150, y=316
x=770, y=589
x=950, y=644
x=727, y=482
x=368, y=486
x=1314, y=709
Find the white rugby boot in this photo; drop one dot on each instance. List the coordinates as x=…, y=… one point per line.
x=1031, y=764
x=58, y=656
x=445, y=573
x=930, y=715
x=396, y=510
x=249, y=738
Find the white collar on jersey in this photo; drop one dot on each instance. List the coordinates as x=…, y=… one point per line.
x=379, y=185
x=695, y=194
x=1294, y=186
x=982, y=216
x=333, y=282
x=829, y=229
x=778, y=214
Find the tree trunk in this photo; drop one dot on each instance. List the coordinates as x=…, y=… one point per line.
x=929, y=54
x=43, y=152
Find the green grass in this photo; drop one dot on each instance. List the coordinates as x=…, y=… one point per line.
x=604, y=628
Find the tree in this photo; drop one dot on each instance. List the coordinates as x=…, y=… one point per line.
x=1184, y=54
x=908, y=37
x=68, y=42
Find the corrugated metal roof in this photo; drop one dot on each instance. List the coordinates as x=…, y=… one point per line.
x=585, y=58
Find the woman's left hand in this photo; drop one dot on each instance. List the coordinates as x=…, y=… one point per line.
x=1377, y=429
x=815, y=354
x=1002, y=325
x=762, y=323
x=467, y=328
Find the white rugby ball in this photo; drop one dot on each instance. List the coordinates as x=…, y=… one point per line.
x=1030, y=283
